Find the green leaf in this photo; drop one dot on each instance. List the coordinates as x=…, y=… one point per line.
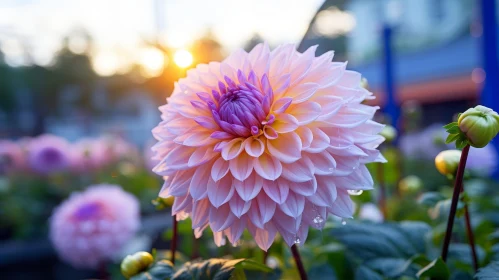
x=161, y=270
x=437, y=269
x=322, y=272
x=219, y=269
x=453, y=130
x=451, y=138
x=450, y=125
x=430, y=199
x=489, y=272
x=364, y=273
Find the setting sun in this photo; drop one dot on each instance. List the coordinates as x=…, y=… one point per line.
x=182, y=58
x=153, y=62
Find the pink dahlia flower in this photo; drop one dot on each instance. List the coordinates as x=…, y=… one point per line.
x=90, y=227
x=48, y=154
x=12, y=157
x=268, y=141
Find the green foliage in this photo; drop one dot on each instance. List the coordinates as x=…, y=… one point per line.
x=489, y=272
x=437, y=270
x=455, y=135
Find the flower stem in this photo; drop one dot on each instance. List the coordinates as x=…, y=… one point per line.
x=299, y=264
x=455, y=198
x=174, y=239
x=380, y=175
x=471, y=238
x=265, y=256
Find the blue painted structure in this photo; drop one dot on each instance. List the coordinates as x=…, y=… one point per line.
x=490, y=92
x=391, y=107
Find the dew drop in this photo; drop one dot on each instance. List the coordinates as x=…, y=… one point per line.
x=297, y=240
x=318, y=219
x=343, y=222
x=355, y=192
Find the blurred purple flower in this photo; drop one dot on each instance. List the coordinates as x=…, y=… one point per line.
x=482, y=161
x=90, y=227
x=48, y=154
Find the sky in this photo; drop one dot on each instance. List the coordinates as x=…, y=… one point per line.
x=118, y=26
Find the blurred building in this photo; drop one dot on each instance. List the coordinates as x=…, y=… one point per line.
x=436, y=48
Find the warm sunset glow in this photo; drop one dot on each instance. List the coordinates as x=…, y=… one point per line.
x=182, y=58
x=153, y=62
x=106, y=63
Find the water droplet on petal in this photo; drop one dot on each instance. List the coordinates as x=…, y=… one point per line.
x=355, y=192
x=343, y=222
x=318, y=219
x=297, y=240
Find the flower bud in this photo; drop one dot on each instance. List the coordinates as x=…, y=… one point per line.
x=447, y=162
x=133, y=264
x=480, y=125
x=410, y=184
x=389, y=133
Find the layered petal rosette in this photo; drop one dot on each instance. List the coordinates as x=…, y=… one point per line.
x=269, y=141
x=48, y=154
x=90, y=227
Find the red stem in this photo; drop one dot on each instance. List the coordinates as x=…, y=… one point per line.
x=174, y=239
x=455, y=198
x=299, y=264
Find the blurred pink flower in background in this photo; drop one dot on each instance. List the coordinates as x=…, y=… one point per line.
x=370, y=212
x=12, y=156
x=48, y=154
x=268, y=141
x=90, y=227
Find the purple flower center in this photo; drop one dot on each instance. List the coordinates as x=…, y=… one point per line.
x=240, y=109
x=88, y=211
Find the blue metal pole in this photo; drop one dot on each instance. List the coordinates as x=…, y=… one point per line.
x=490, y=58
x=391, y=107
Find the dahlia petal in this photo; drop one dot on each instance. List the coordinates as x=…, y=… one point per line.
x=305, y=112
x=299, y=171
x=285, y=123
x=235, y=231
x=268, y=167
x=219, y=169
x=221, y=135
x=221, y=218
x=343, y=206
x=326, y=193
x=350, y=79
x=238, y=206
x=349, y=117
x=249, y=188
x=359, y=179
x=306, y=136
x=286, y=148
x=302, y=92
x=301, y=65
x=276, y=192
x=320, y=141
x=330, y=106
x=180, y=203
x=218, y=238
x=345, y=165
x=178, y=158
x=179, y=184
x=254, y=146
x=265, y=237
x=206, y=122
x=232, y=149
x=307, y=188
x=200, y=212
x=199, y=182
x=281, y=105
x=220, y=192
x=269, y=132
x=294, y=205
x=323, y=163
x=241, y=166
x=282, y=85
x=201, y=156
x=261, y=211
